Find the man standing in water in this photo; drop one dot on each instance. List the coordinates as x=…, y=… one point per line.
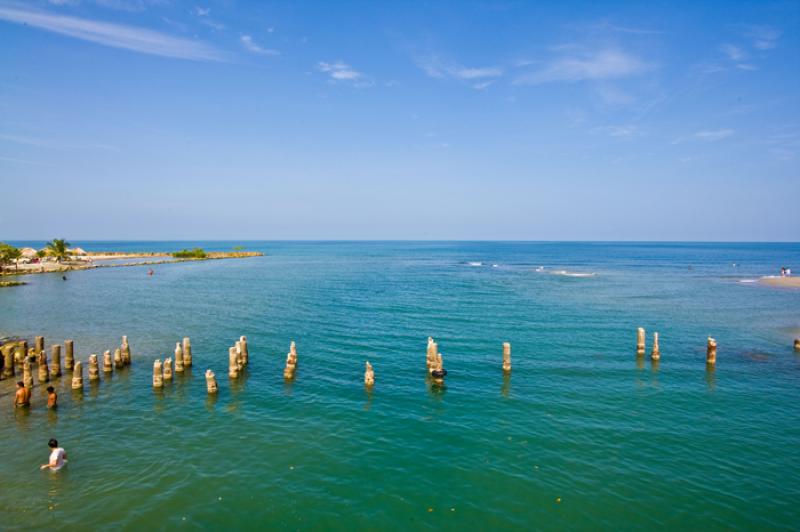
x=23, y=395
x=57, y=456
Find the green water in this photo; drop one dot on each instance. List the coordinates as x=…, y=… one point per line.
x=581, y=435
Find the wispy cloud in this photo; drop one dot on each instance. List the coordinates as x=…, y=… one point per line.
x=713, y=135
x=734, y=53
x=580, y=64
x=251, y=46
x=340, y=71
x=764, y=37
x=622, y=131
x=56, y=144
x=435, y=67
x=202, y=11
x=115, y=35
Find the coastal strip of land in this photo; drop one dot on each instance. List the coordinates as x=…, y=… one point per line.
x=783, y=282
x=86, y=264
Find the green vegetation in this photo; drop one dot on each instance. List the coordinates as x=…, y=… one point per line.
x=9, y=254
x=196, y=253
x=238, y=248
x=12, y=283
x=58, y=248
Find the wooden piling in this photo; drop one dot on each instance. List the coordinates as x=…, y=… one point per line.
x=640, y=341
x=125, y=350
x=655, y=354
x=108, y=366
x=239, y=356
x=711, y=351
x=178, y=358
x=38, y=345
x=233, y=363
x=8, y=361
x=55, y=360
x=211, y=381
x=167, y=369
x=118, y=362
x=77, y=376
x=44, y=372
x=94, y=370
x=797, y=344
x=27, y=374
x=291, y=362
x=369, y=375
x=69, y=354
x=430, y=358
x=158, y=375
x=245, y=352
x=506, y=356
x=187, y=353
x=20, y=351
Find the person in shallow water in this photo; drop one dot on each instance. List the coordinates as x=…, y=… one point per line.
x=58, y=456
x=23, y=395
x=52, y=397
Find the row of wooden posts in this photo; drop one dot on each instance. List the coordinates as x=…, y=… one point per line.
x=238, y=358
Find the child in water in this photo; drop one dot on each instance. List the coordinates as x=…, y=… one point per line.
x=52, y=397
x=58, y=456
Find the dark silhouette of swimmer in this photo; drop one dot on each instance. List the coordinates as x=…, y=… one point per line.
x=64, y=277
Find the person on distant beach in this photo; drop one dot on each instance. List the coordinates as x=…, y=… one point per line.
x=788, y=272
x=57, y=456
x=23, y=395
x=52, y=397
x=783, y=271
x=150, y=271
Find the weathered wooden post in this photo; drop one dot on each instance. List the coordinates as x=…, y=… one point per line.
x=430, y=359
x=55, y=363
x=125, y=349
x=245, y=352
x=44, y=373
x=291, y=362
x=118, y=362
x=233, y=363
x=711, y=351
x=108, y=366
x=77, y=376
x=506, y=356
x=38, y=344
x=211, y=381
x=27, y=374
x=797, y=344
x=158, y=376
x=187, y=353
x=20, y=351
x=369, y=375
x=239, y=356
x=640, y=341
x=8, y=361
x=167, y=369
x=178, y=358
x=69, y=354
x=438, y=372
x=94, y=370
x=655, y=354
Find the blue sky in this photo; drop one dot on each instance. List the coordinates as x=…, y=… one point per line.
x=140, y=119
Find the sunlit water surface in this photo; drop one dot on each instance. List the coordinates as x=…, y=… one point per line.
x=581, y=435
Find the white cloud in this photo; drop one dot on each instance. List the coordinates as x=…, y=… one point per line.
x=764, y=37
x=734, y=53
x=713, y=135
x=479, y=77
x=115, y=35
x=586, y=65
x=250, y=45
x=342, y=72
x=623, y=131
x=202, y=11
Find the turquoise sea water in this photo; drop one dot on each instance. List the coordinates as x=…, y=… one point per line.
x=581, y=435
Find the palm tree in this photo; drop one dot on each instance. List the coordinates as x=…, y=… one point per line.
x=8, y=254
x=58, y=248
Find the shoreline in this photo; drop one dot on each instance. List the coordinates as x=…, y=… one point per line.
x=55, y=267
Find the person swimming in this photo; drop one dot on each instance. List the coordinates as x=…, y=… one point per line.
x=52, y=397
x=58, y=456
x=23, y=395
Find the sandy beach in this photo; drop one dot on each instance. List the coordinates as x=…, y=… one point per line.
x=783, y=282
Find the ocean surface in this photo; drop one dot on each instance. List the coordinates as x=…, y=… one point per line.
x=581, y=435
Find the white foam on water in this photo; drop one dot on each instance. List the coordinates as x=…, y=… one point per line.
x=566, y=273
x=475, y=264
